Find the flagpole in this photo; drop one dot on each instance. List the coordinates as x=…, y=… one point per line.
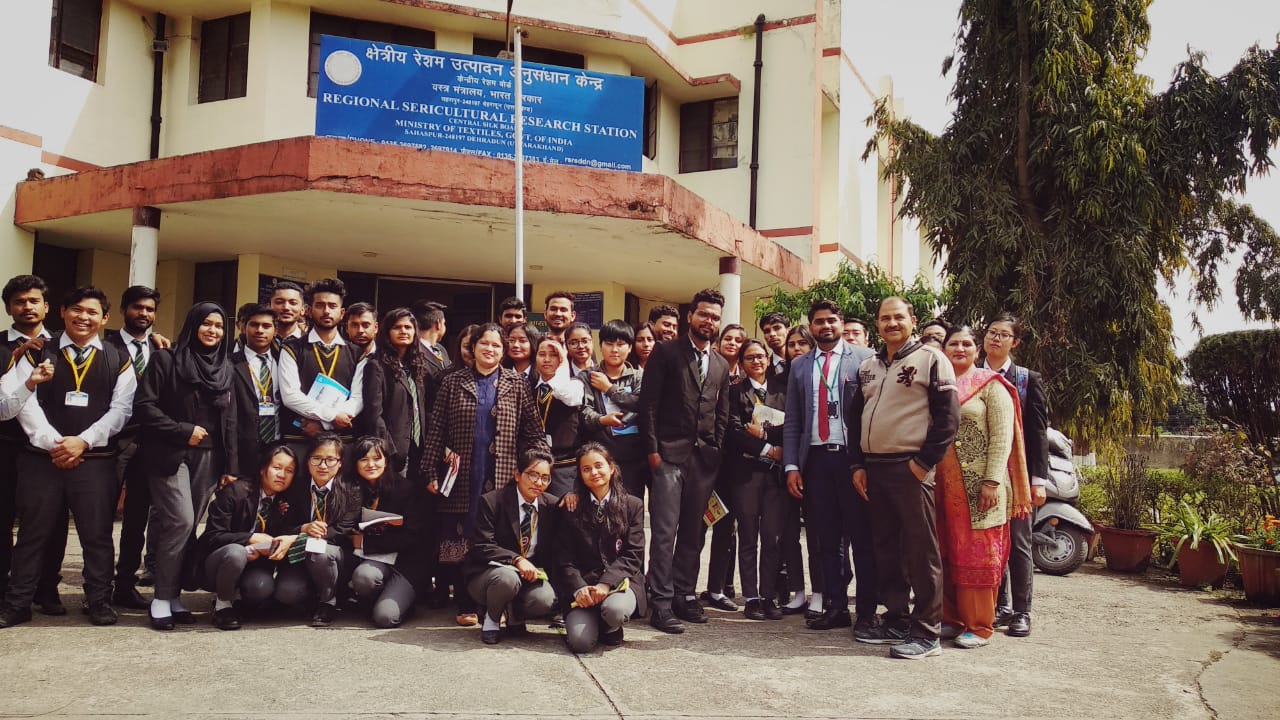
x=519, y=140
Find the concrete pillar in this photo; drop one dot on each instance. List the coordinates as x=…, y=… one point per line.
x=731, y=288
x=146, y=246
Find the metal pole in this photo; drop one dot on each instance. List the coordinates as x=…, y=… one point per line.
x=519, y=139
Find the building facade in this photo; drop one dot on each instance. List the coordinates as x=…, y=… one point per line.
x=176, y=143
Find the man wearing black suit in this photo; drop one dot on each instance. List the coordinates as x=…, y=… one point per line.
x=684, y=411
x=511, y=549
x=138, y=304
x=431, y=330
x=1013, y=604
x=257, y=393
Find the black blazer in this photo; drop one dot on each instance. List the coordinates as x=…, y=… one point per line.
x=166, y=410
x=676, y=415
x=496, y=537
x=744, y=448
x=388, y=410
x=232, y=517
x=395, y=495
x=589, y=555
x=342, y=512
x=1035, y=422
x=245, y=389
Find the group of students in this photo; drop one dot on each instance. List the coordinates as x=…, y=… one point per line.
x=357, y=465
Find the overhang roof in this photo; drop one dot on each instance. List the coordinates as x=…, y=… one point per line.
x=385, y=209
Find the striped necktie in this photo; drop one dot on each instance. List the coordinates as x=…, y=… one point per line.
x=139, y=359
x=267, y=424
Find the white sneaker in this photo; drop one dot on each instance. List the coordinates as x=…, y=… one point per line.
x=969, y=641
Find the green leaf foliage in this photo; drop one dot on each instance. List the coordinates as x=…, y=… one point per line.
x=1065, y=190
x=1238, y=375
x=858, y=291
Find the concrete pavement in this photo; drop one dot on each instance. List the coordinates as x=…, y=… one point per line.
x=1104, y=646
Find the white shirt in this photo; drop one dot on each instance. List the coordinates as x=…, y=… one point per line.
x=764, y=452
x=15, y=335
x=835, y=424
x=255, y=370
x=36, y=424
x=295, y=399
x=13, y=396
x=145, y=341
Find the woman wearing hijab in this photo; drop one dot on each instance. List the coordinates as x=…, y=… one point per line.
x=186, y=442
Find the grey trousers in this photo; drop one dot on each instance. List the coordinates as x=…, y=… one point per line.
x=1019, y=573
x=677, y=499
x=501, y=589
x=230, y=572
x=178, y=502
x=388, y=593
x=316, y=576
x=43, y=493
x=582, y=625
x=908, y=561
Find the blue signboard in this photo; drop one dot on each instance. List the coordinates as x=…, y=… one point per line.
x=464, y=103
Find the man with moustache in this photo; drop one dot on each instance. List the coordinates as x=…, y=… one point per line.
x=559, y=315
x=684, y=411
x=362, y=327
x=904, y=413
x=257, y=389
x=511, y=312
x=287, y=301
x=666, y=322
x=774, y=328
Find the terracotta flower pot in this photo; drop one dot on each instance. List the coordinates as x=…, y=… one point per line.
x=1200, y=566
x=1127, y=550
x=1260, y=571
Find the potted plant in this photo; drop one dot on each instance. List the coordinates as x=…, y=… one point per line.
x=1201, y=545
x=1126, y=542
x=1259, y=553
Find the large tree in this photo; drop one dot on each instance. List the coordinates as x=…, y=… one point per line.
x=1065, y=190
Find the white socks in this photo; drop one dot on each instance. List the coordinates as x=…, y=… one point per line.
x=798, y=601
x=717, y=596
x=160, y=608
x=221, y=605
x=815, y=602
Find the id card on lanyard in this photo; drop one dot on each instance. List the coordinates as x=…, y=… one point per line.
x=77, y=398
x=833, y=398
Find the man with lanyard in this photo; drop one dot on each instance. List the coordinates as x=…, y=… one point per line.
x=816, y=459
x=1003, y=336
x=26, y=300
x=309, y=409
x=287, y=301
x=256, y=389
x=71, y=424
x=136, y=338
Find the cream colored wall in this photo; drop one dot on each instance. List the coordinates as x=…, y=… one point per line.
x=249, y=267
x=16, y=244
x=175, y=280
x=107, y=271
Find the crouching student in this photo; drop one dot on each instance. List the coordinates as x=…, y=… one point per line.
x=511, y=549
x=600, y=554
x=376, y=581
x=331, y=512
x=246, y=538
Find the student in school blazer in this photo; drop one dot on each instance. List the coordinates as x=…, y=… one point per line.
x=244, y=387
x=497, y=533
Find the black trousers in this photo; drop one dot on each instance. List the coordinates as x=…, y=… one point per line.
x=759, y=503
x=44, y=493
x=677, y=500
x=906, y=542
x=1019, y=573
x=137, y=515
x=50, y=574
x=724, y=534
x=841, y=520
x=792, y=556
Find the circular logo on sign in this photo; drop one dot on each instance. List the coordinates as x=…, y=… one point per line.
x=342, y=67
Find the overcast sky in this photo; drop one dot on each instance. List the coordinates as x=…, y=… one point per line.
x=908, y=40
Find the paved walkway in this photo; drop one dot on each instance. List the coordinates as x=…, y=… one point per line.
x=1104, y=646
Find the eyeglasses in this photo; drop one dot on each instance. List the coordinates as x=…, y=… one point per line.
x=754, y=358
x=995, y=335
x=538, y=478
x=581, y=342
x=324, y=461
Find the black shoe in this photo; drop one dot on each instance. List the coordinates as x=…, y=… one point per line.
x=832, y=619
x=51, y=605
x=490, y=637
x=557, y=622
x=1002, y=618
x=517, y=630
x=127, y=596
x=879, y=634
x=688, y=611
x=184, y=617
x=10, y=616
x=324, y=615
x=754, y=611
x=666, y=621
x=613, y=638
x=163, y=624
x=788, y=610
x=100, y=613
x=721, y=603
x=730, y=592
x=1019, y=625
x=147, y=579
x=438, y=598
x=810, y=614
x=226, y=619
x=770, y=609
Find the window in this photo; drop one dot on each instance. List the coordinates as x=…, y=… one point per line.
x=322, y=24
x=74, y=35
x=651, y=106
x=709, y=135
x=224, y=58
x=529, y=53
